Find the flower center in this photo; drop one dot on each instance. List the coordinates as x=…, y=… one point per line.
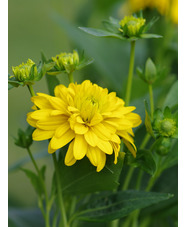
x=88, y=108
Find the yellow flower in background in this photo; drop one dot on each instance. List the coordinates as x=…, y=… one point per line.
x=86, y=116
x=167, y=8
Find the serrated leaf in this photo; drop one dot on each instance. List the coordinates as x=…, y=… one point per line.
x=106, y=207
x=82, y=177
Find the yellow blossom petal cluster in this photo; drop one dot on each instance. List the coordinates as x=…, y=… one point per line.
x=167, y=8
x=88, y=117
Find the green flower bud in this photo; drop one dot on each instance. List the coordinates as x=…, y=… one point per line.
x=167, y=127
x=164, y=146
x=24, y=139
x=22, y=72
x=131, y=26
x=165, y=124
x=66, y=61
x=150, y=71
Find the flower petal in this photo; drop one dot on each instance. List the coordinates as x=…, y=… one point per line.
x=80, y=147
x=69, y=158
x=105, y=146
x=58, y=142
x=39, y=134
x=91, y=138
x=80, y=128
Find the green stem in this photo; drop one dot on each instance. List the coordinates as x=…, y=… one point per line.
x=31, y=90
x=59, y=191
x=128, y=177
x=130, y=74
x=71, y=78
x=47, y=212
x=131, y=169
x=151, y=101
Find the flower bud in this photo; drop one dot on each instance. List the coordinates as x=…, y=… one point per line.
x=66, y=61
x=22, y=72
x=165, y=124
x=131, y=26
x=150, y=71
x=164, y=146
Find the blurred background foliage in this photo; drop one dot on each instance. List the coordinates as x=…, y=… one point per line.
x=51, y=26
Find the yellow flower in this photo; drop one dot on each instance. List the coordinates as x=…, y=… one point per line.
x=167, y=8
x=131, y=26
x=86, y=116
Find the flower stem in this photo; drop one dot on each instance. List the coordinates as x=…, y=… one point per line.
x=31, y=90
x=59, y=191
x=71, y=78
x=47, y=212
x=151, y=101
x=130, y=74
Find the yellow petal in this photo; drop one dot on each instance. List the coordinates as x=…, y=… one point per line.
x=40, y=114
x=42, y=101
x=105, y=146
x=97, y=118
x=91, y=138
x=58, y=104
x=30, y=120
x=101, y=161
x=50, y=150
x=80, y=147
x=80, y=128
x=92, y=155
x=59, y=142
x=51, y=123
x=62, y=129
x=131, y=148
x=39, y=134
x=69, y=158
x=101, y=131
x=115, y=138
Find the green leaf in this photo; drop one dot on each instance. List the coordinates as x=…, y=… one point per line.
x=83, y=178
x=84, y=63
x=171, y=158
x=35, y=181
x=145, y=161
x=172, y=97
x=106, y=207
x=52, y=82
x=12, y=82
x=101, y=33
x=150, y=24
x=149, y=36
